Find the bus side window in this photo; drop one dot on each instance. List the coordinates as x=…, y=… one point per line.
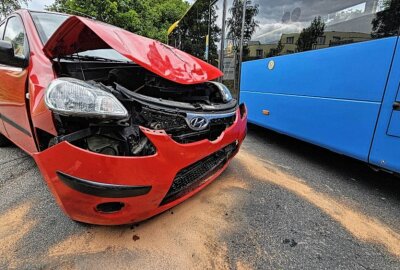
x=317, y=24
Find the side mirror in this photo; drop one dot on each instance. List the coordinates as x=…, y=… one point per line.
x=7, y=56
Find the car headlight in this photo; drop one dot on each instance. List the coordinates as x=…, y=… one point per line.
x=225, y=92
x=69, y=96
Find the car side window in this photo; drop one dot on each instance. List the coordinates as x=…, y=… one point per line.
x=14, y=33
x=2, y=26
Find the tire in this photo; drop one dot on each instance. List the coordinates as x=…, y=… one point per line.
x=4, y=141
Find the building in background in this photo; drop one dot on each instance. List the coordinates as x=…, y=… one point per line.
x=257, y=50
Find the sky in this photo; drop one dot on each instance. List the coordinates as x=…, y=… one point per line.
x=40, y=4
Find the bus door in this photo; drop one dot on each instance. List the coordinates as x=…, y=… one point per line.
x=394, y=125
x=385, y=151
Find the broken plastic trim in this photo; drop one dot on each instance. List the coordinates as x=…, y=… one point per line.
x=231, y=105
x=77, y=135
x=243, y=110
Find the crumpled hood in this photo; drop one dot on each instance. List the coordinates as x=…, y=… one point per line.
x=78, y=34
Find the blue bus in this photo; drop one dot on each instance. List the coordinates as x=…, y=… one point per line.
x=323, y=71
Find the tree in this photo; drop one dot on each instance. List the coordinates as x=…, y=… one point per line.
x=235, y=22
x=386, y=22
x=149, y=18
x=8, y=6
x=193, y=29
x=276, y=51
x=308, y=36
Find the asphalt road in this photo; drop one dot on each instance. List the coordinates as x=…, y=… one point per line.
x=282, y=204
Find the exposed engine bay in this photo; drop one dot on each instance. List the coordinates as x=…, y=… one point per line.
x=187, y=113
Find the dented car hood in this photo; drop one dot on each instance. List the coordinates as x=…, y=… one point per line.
x=78, y=34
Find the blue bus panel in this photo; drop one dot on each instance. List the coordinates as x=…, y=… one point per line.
x=385, y=151
x=330, y=97
x=343, y=126
x=356, y=71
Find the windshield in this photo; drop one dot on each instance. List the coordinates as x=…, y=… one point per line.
x=47, y=23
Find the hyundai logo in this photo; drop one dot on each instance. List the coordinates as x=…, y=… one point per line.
x=198, y=123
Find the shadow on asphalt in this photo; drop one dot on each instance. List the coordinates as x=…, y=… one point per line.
x=346, y=167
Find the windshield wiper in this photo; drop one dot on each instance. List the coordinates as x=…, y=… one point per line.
x=94, y=58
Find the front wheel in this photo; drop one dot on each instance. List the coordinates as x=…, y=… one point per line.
x=4, y=141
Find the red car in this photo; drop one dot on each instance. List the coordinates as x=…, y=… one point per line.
x=122, y=127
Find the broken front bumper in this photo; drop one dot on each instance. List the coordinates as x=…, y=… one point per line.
x=100, y=189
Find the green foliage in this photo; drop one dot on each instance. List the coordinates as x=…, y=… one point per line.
x=149, y=18
x=193, y=29
x=235, y=22
x=8, y=6
x=308, y=36
x=386, y=23
x=276, y=51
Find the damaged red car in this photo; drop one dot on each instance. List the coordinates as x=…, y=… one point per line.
x=122, y=127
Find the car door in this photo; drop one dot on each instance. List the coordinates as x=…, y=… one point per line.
x=2, y=27
x=13, y=85
x=385, y=151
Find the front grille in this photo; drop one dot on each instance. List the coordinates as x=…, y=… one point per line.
x=194, y=175
x=159, y=120
x=175, y=125
x=213, y=131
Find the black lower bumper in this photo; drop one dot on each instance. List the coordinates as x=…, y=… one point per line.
x=194, y=175
x=102, y=189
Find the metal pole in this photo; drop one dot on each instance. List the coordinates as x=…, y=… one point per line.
x=222, y=53
x=241, y=44
x=208, y=32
